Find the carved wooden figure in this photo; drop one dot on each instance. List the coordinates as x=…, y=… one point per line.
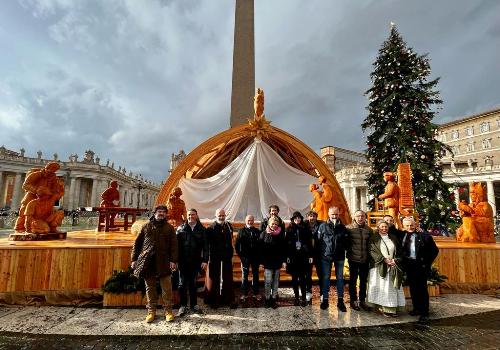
x=39, y=181
x=477, y=217
x=176, y=207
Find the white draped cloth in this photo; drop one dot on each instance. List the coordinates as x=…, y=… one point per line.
x=257, y=178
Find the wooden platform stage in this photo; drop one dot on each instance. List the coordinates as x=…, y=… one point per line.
x=86, y=259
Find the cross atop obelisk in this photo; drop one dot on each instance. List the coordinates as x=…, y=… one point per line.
x=243, y=87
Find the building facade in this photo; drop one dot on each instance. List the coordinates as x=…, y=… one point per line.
x=474, y=155
x=84, y=181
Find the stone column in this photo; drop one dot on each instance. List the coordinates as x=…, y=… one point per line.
x=94, y=196
x=78, y=187
x=2, y=191
x=71, y=194
x=353, y=199
x=243, y=85
x=491, y=196
x=17, y=193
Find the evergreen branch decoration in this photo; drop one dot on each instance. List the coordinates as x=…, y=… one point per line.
x=123, y=282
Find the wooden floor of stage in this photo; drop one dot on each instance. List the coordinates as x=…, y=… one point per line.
x=87, y=258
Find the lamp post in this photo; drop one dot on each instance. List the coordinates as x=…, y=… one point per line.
x=139, y=187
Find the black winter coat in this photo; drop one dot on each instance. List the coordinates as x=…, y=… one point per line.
x=247, y=244
x=273, y=250
x=298, y=248
x=426, y=250
x=193, y=246
x=315, y=237
x=399, y=234
x=220, y=241
x=358, y=247
x=154, y=248
x=332, y=241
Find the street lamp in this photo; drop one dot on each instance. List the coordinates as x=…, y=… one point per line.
x=139, y=187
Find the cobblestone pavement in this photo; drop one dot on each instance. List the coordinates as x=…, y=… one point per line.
x=478, y=331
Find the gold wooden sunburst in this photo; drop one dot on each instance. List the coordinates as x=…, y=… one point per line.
x=213, y=155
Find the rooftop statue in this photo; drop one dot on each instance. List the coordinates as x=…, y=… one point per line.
x=176, y=207
x=477, y=217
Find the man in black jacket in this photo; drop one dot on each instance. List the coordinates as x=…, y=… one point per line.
x=358, y=256
x=331, y=237
x=419, y=252
x=220, y=262
x=313, y=223
x=193, y=256
x=247, y=247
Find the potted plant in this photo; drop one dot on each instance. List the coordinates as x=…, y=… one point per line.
x=123, y=289
x=433, y=281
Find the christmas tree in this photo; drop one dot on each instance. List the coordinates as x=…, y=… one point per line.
x=403, y=103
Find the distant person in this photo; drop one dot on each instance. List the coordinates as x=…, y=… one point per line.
x=193, y=258
x=332, y=236
x=154, y=256
x=220, y=262
x=247, y=247
x=298, y=255
x=273, y=258
x=419, y=252
x=358, y=255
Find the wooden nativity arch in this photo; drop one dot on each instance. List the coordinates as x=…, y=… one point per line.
x=217, y=152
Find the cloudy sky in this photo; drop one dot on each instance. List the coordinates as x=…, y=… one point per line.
x=137, y=80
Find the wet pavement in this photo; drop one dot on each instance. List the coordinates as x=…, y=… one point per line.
x=457, y=322
x=477, y=331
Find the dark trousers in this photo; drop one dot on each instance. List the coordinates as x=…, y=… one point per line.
x=187, y=281
x=299, y=279
x=246, y=264
x=417, y=280
x=358, y=270
x=319, y=272
x=214, y=294
x=309, y=272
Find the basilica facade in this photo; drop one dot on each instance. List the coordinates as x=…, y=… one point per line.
x=84, y=180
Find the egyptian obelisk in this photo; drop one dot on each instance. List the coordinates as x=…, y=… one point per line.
x=243, y=87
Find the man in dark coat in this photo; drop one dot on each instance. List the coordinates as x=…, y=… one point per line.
x=154, y=256
x=193, y=257
x=419, y=252
x=332, y=235
x=313, y=223
x=358, y=255
x=220, y=262
x=274, y=210
x=247, y=246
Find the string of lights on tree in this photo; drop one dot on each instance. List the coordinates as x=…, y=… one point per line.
x=402, y=104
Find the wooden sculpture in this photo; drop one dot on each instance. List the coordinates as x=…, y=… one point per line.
x=322, y=200
x=477, y=217
x=176, y=208
x=36, y=215
x=111, y=197
x=317, y=203
x=398, y=197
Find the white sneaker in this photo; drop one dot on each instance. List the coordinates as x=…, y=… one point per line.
x=309, y=297
x=182, y=311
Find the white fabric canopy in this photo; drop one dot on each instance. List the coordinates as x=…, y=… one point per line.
x=257, y=178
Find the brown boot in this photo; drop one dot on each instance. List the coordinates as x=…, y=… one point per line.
x=151, y=315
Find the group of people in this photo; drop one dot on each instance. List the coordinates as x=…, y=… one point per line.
x=377, y=259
